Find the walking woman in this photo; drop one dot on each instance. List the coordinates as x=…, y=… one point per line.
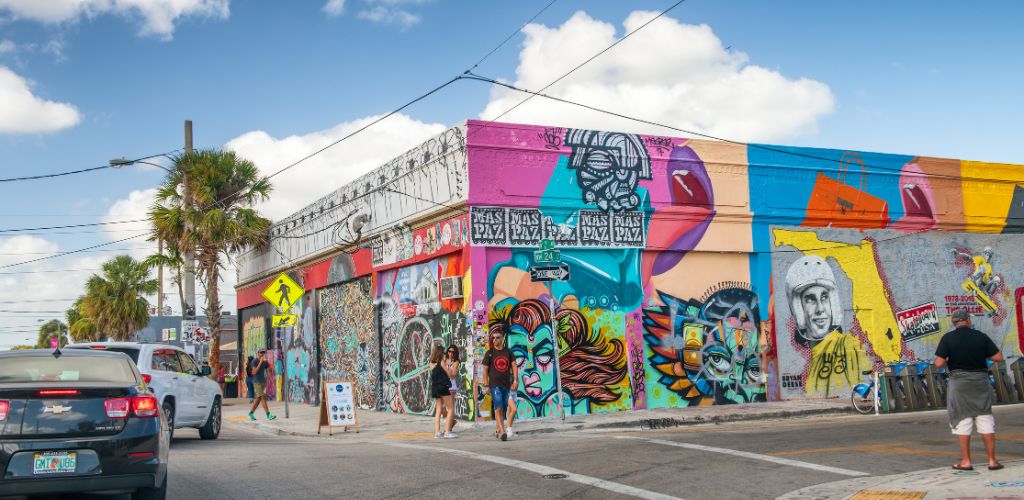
x=440, y=390
x=451, y=366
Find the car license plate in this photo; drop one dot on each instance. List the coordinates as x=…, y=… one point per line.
x=54, y=462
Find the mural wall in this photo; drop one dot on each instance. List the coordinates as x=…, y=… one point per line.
x=349, y=344
x=653, y=314
x=300, y=354
x=254, y=338
x=412, y=319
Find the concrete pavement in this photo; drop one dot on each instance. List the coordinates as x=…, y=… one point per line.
x=930, y=484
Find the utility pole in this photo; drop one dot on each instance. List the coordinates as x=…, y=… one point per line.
x=160, y=278
x=190, y=264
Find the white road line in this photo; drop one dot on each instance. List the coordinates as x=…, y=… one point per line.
x=754, y=456
x=543, y=470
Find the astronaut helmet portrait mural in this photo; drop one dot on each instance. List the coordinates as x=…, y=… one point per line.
x=646, y=318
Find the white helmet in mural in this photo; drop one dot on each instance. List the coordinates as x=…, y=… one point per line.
x=806, y=272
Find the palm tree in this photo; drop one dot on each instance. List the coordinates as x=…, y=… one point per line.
x=205, y=206
x=50, y=330
x=82, y=328
x=115, y=302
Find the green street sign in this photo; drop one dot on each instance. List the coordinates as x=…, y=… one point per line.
x=547, y=244
x=547, y=255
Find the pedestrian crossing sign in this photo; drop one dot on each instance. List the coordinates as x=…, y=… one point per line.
x=284, y=320
x=283, y=292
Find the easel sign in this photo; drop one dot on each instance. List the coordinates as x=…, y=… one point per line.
x=338, y=406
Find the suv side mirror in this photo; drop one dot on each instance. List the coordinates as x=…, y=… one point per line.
x=206, y=371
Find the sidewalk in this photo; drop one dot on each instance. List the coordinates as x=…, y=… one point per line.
x=927, y=484
x=302, y=419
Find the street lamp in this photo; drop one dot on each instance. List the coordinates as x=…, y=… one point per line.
x=124, y=162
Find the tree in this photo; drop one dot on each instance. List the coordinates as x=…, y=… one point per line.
x=115, y=302
x=50, y=330
x=82, y=329
x=205, y=206
x=23, y=347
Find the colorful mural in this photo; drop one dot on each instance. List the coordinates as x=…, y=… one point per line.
x=254, y=339
x=412, y=319
x=299, y=343
x=349, y=344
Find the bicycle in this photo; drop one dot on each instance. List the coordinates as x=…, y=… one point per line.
x=865, y=397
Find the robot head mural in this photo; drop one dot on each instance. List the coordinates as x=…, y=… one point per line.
x=813, y=299
x=609, y=166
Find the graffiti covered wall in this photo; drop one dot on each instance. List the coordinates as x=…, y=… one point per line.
x=254, y=338
x=349, y=344
x=412, y=319
x=300, y=354
x=659, y=309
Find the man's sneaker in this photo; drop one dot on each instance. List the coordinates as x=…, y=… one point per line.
x=511, y=433
x=270, y=417
x=450, y=435
x=437, y=435
x=503, y=437
x=252, y=417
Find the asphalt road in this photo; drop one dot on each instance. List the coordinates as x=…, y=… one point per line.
x=746, y=460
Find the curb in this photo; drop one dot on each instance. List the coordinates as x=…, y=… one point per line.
x=641, y=424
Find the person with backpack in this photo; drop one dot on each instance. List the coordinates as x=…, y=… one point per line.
x=440, y=390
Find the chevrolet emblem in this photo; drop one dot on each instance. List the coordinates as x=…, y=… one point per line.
x=56, y=409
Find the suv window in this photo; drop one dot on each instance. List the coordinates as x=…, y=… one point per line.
x=187, y=363
x=166, y=360
x=22, y=369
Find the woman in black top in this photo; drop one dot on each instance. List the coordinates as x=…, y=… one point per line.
x=440, y=390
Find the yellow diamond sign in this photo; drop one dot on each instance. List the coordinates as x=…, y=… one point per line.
x=284, y=320
x=283, y=292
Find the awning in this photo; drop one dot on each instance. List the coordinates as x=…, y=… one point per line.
x=230, y=346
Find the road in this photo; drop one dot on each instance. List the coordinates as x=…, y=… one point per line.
x=746, y=460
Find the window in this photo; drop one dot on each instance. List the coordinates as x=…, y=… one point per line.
x=188, y=366
x=166, y=360
x=67, y=368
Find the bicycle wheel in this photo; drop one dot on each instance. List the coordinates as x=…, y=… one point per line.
x=862, y=400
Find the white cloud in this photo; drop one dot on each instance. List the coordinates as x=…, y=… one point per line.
x=335, y=7
x=7, y=47
x=23, y=112
x=157, y=16
x=671, y=73
x=333, y=168
x=389, y=15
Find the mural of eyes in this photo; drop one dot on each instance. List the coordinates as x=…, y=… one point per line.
x=752, y=370
x=609, y=166
x=717, y=362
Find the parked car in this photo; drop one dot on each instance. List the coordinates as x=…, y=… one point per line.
x=79, y=421
x=187, y=396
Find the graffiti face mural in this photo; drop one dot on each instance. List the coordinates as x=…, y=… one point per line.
x=811, y=288
x=608, y=167
x=708, y=352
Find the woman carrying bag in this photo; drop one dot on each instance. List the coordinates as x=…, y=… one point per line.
x=440, y=390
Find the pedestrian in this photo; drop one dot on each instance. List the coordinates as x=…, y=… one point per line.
x=248, y=378
x=969, y=402
x=452, y=363
x=440, y=390
x=259, y=384
x=221, y=375
x=502, y=377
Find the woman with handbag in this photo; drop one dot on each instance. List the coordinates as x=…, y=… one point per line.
x=440, y=390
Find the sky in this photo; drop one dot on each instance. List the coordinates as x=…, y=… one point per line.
x=86, y=81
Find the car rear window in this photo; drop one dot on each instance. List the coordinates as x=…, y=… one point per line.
x=132, y=352
x=21, y=369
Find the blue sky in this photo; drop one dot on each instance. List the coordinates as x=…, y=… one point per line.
x=276, y=80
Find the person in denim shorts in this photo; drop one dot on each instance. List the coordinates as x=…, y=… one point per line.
x=502, y=376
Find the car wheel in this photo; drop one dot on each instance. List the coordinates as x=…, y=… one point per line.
x=212, y=428
x=158, y=493
x=168, y=409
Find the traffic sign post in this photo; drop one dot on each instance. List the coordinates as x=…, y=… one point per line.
x=547, y=274
x=283, y=292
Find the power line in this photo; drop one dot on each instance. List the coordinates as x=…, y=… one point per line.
x=70, y=252
x=88, y=251
x=514, y=33
x=74, y=225
x=49, y=271
x=73, y=172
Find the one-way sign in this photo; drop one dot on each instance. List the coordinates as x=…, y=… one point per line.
x=558, y=272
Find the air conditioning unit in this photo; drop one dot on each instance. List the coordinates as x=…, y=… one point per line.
x=451, y=287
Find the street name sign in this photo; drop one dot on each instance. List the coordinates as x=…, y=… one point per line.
x=559, y=272
x=547, y=255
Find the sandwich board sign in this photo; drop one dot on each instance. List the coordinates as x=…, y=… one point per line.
x=338, y=406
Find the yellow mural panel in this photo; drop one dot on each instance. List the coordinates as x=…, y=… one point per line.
x=986, y=203
x=869, y=296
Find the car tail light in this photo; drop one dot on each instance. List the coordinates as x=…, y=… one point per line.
x=147, y=378
x=56, y=393
x=5, y=406
x=101, y=347
x=117, y=407
x=145, y=407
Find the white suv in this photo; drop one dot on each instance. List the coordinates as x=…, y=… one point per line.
x=187, y=395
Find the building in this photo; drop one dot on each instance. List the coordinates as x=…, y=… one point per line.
x=699, y=272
